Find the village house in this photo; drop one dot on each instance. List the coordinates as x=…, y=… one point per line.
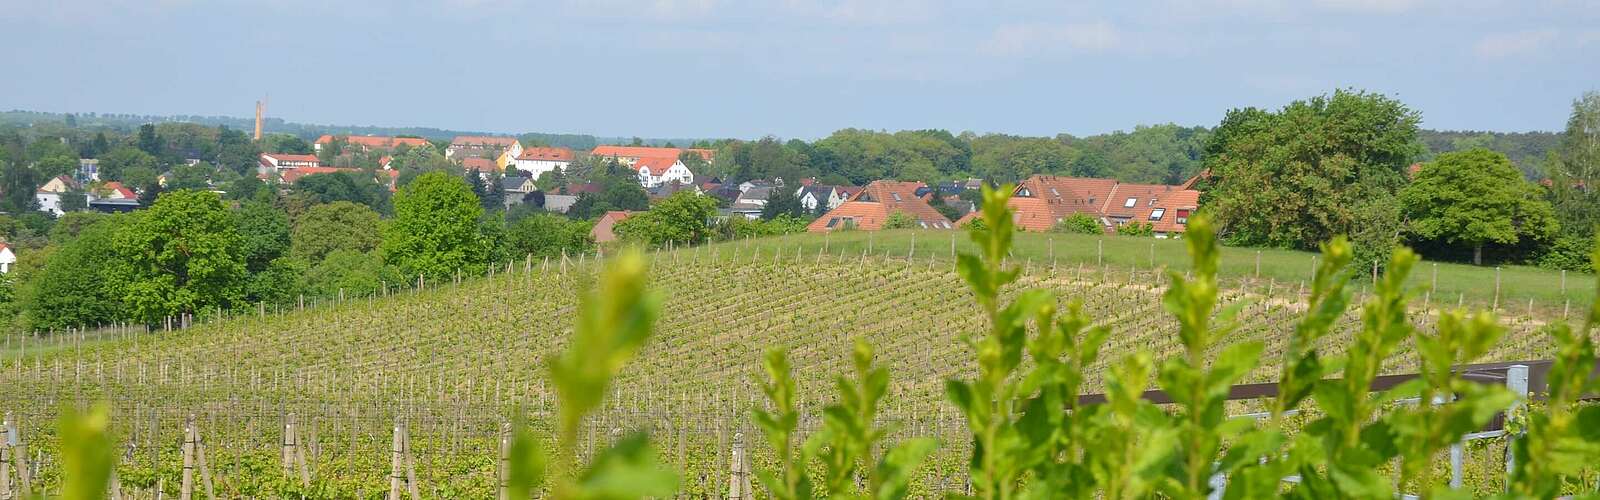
x=538, y=161
x=49, y=195
x=277, y=162
x=1042, y=201
x=516, y=187
x=627, y=155
x=369, y=142
x=491, y=147
x=751, y=202
x=871, y=207
x=88, y=170
x=7, y=258
x=657, y=171
x=483, y=166
x=604, y=229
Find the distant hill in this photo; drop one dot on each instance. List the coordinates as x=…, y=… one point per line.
x=1525, y=149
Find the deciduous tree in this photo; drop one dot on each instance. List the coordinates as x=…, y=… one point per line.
x=181, y=255
x=1476, y=198
x=435, y=228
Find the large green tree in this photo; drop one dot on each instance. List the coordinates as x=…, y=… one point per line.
x=682, y=218
x=341, y=225
x=1574, y=169
x=1475, y=198
x=264, y=234
x=17, y=186
x=1320, y=167
x=181, y=255
x=435, y=228
x=76, y=287
x=115, y=163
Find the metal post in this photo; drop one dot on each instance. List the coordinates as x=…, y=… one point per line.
x=1517, y=382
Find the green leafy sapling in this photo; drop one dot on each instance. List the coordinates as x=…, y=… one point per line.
x=1257, y=459
x=1134, y=442
x=779, y=427
x=989, y=403
x=847, y=440
x=1564, y=438
x=1198, y=386
x=1340, y=452
x=1436, y=422
x=87, y=453
x=614, y=320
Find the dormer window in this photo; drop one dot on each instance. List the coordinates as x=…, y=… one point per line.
x=1156, y=214
x=1055, y=193
x=1130, y=203
x=1183, y=216
x=896, y=196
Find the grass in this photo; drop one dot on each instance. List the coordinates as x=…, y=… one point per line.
x=1443, y=282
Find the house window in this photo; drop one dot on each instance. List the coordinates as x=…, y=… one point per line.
x=1024, y=193
x=1130, y=203
x=1183, y=216
x=833, y=222
x=896, y=196
x=1156, y=214
x=924, y=224
x=1054, y=192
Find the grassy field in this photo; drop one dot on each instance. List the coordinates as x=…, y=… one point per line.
x=455, y=360
x=1444, y=282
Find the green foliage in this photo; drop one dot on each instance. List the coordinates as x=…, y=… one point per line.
x=782, y=202
x=1560, y=441
x=351, y=271
x=182, y=255
x=76, y=287
x=736, y=227
x=278, y=282
x=345, y=186
x=341, y=225
x=613, y=323
x=548, y=235
x=1079, y=224
x=683, y=218
x=900, y=220
x=1475, y=198
x=88, y=454
x=1568, y=252
x=115, y=163
x=264, y=231
x=17, y=186
x=1314, y=169
x=435, y=228
x=845, y=444
x=1137, y=228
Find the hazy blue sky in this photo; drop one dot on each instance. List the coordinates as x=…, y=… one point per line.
x=795, y=68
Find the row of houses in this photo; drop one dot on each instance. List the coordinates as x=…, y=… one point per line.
x=1038, y=203
x=655, y=166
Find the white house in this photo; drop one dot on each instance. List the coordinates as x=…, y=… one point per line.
x=7, y=258
x=272, y=162
x=482, y=146
x=656, y=171
x=49, y=195
x=541, y=160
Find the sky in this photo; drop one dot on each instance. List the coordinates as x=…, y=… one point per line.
x=795, y=68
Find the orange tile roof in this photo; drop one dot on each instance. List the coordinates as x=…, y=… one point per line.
x=283, y=157
x=873, y=205
x=657, y=165
x=647, y=152
x=603, y=229
x=550, y=154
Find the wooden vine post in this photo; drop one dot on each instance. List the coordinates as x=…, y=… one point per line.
x=293, y=453
x=402, y=472
x=739, y=473
x=194, y=456
x=15, y=458
x=503, y=474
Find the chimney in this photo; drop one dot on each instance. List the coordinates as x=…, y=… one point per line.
x=260, y=108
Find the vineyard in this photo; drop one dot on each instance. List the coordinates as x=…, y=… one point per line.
x=455, y=360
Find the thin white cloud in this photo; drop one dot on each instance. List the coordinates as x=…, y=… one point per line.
x=1500, y=45
x=1030, y=38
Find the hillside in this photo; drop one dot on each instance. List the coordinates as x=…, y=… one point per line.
x=456, y=358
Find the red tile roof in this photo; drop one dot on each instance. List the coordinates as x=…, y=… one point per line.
x=289, y=176
x=482, y=140
x=479, y=164
x=1042, y=200
x=549, y=154
x=603, y=228
x=283, y=157
x=375, y=141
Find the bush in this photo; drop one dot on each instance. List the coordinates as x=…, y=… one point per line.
x=1136, y=228
x=1077, y=224
x=1569, y=253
